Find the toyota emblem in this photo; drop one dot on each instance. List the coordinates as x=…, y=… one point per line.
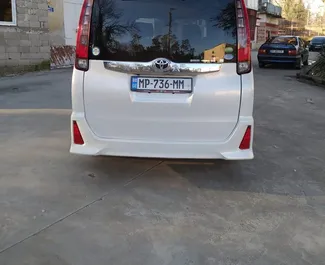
x=162, y=64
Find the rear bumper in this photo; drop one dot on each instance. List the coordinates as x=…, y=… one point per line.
x=228, y=150
x=277, y=59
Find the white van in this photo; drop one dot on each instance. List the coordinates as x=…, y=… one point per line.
x=163, y=79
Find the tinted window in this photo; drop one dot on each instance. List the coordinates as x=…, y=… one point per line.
x=318, y=40
x=180, y=30
x=284, y=40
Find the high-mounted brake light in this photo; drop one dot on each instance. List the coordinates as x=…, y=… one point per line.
x=246, y=142
x=243, y=39
x=77, y=137
x=82, y=46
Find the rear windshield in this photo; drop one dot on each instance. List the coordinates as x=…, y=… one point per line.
x=283, y=40
x=318, y=40
x=188, y=31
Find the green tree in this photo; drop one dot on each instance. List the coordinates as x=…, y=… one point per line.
x=295, y=11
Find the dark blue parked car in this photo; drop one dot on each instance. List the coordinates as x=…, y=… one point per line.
x=284, y=50
x=317, y=44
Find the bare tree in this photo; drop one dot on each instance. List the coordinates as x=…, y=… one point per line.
x=226, y=19
x=108, y=21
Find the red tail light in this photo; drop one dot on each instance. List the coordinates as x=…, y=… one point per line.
x=261, y=51
x=292, y=52
x=243, y=39
x=77, y=137
x=82, y=46
x=246, y=142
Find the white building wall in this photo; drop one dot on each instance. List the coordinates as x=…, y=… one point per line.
x=63, y=21
x=252, y=4
x=72, y=10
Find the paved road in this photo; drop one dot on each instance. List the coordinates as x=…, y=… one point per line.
x=57, y=208
x=313, y=56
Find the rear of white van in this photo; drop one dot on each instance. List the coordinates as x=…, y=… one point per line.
x=164, y=79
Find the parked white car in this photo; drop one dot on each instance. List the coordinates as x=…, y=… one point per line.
x=163, y=79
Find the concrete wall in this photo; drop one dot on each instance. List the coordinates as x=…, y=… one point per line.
x=56, y=22
x=26, y=45
x=266, y=23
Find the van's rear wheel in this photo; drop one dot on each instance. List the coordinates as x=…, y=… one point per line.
x=261, y=65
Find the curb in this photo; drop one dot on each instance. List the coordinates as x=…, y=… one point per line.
x=311, y=80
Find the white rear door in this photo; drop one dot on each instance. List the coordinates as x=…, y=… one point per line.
x=162, y=71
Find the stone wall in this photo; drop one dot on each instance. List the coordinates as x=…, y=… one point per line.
x=26, y=47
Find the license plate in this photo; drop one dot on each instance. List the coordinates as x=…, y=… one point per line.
x=161, y=84
x=276, y=51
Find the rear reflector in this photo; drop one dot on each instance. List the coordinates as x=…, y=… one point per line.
x=261, y=51
x=77, y=138
x=246, y=142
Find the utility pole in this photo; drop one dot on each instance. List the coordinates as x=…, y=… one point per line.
x=170, y=30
